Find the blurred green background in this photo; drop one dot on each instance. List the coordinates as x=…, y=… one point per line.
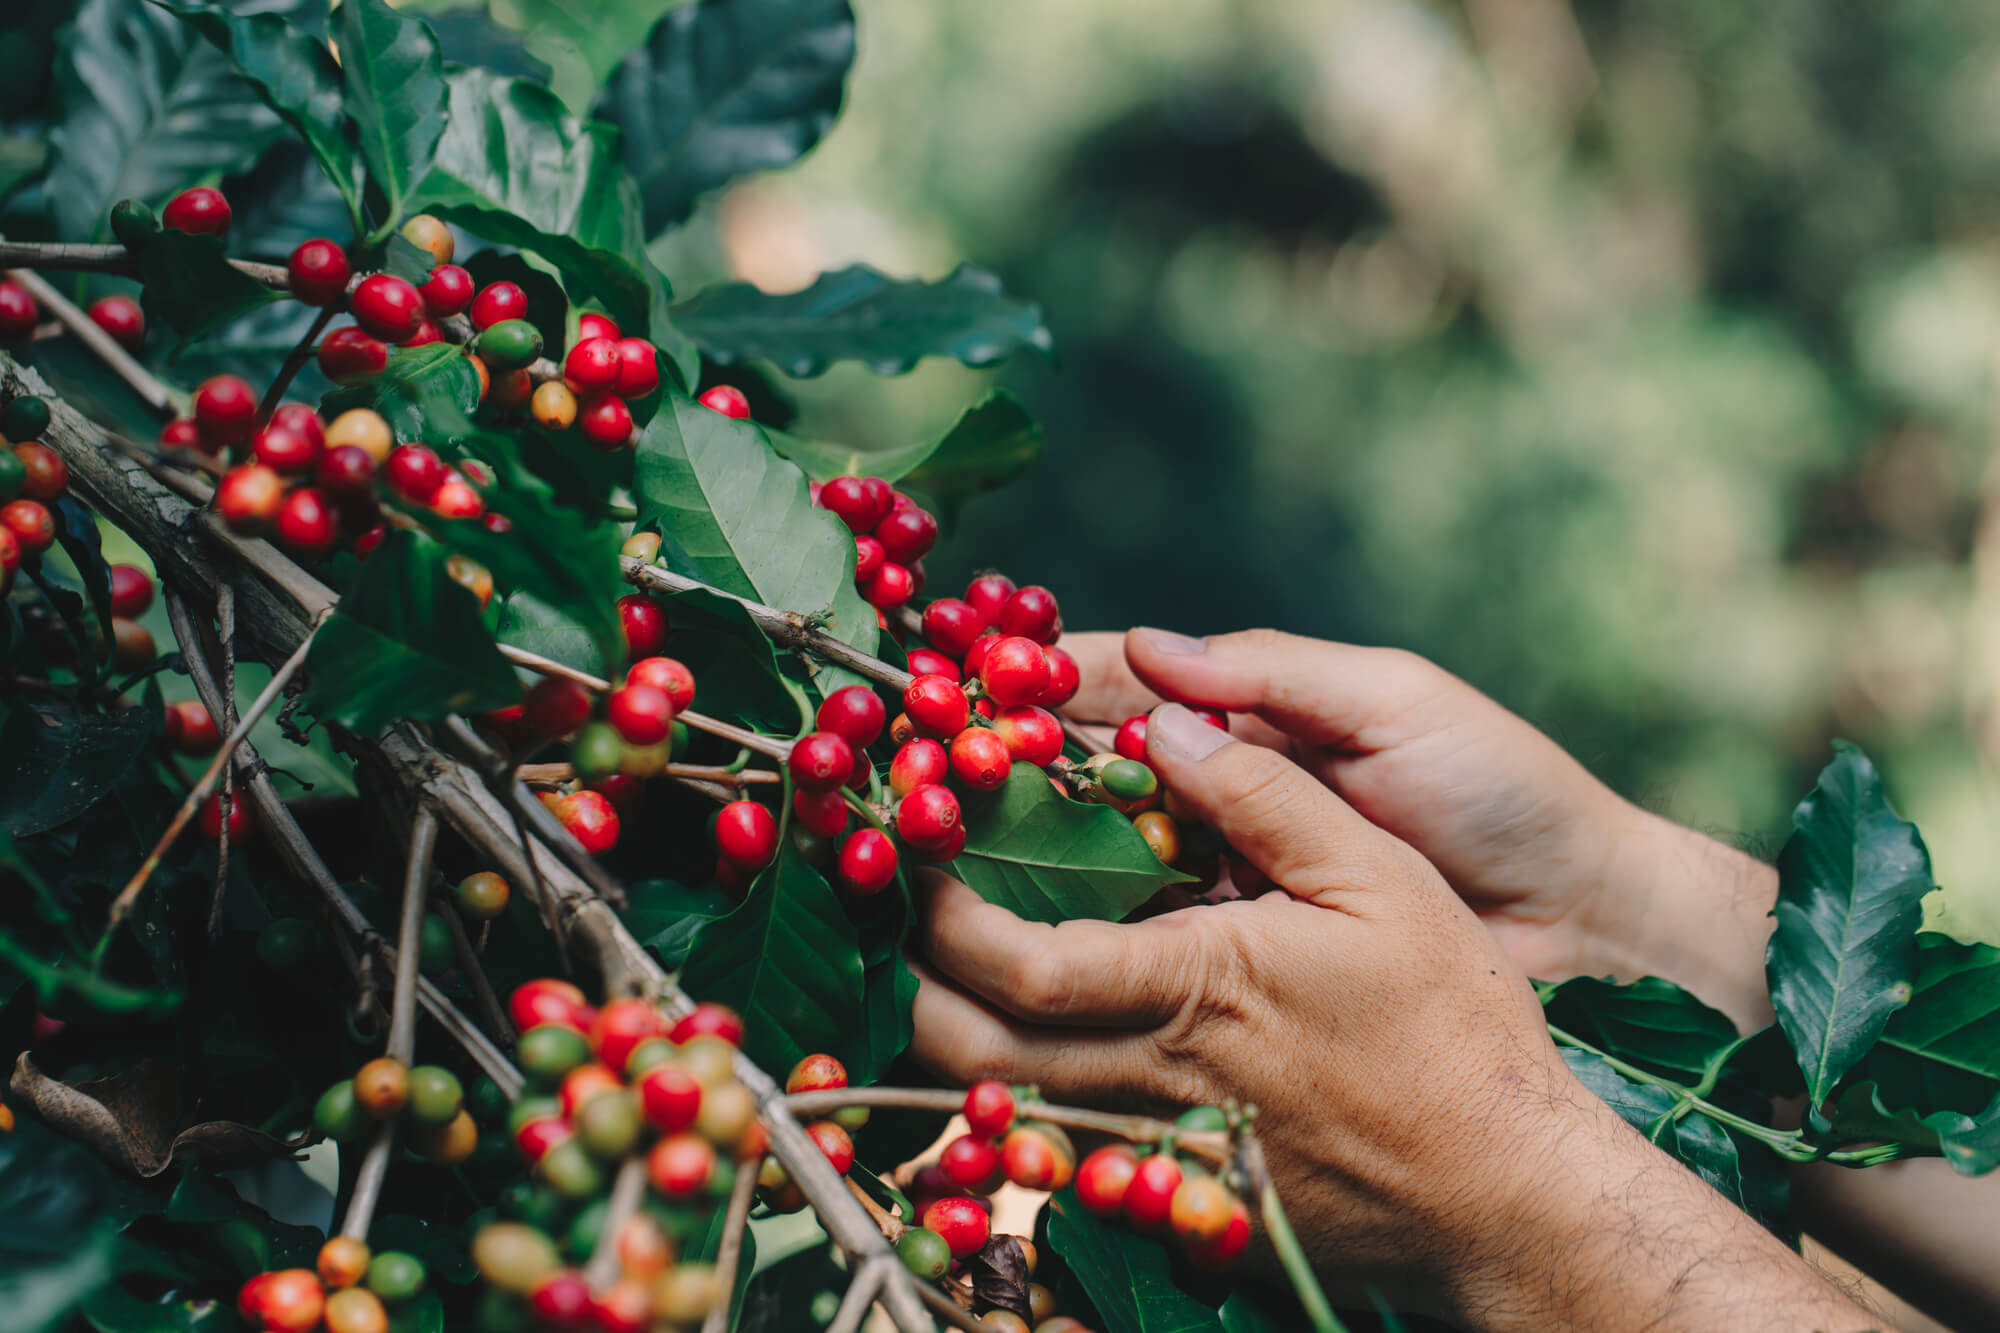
x=1631, y=358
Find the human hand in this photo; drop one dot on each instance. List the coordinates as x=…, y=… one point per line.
x=1570, y=878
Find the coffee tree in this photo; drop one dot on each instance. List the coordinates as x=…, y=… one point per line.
x=528, y=796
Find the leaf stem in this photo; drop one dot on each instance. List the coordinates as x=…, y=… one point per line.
x=1286, y=1242
x=294, y=362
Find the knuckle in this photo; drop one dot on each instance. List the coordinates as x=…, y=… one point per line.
x=1040, y=985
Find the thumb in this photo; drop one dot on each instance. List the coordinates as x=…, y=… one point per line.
x=1276, y=814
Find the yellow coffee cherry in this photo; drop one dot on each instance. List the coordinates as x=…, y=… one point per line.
x=553, y=406
x=431, y=234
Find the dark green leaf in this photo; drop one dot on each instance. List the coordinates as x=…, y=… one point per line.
x=406, y=641
x=192, y=288
x=584, y=43
x=1047, y=858
x=737, y=675
x=787, y=960
x=395, y=93
x=724, y=88
x=1130, y=1278
x=282, y=202
x=76, y=531
x=989, y=446
x=1650, y=1023
x=145, y=108
x=297, y=77
x=1844, y=956
x=255, y=1241
x=1971, y=1143
x=1942, y=1050
x=424, y=394
x=22, y=157
x=664, y=916
x=471, y=37
x=859, y=314
x=528, y=622
x=254, y=347
x=56, y=762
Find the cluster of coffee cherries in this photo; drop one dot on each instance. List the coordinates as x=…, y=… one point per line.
x=349, y=1290
x=428, y=1099
x=1124, y=780
x=610, y=1084
x=892, y=535
x=1161, y=1192
x=32, y=478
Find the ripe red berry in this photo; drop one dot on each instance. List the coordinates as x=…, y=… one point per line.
x=346, y=472
x=638, y=368
x=591, y=324
x=121, y=317
x=989, y=1108
x=1031, y=613
x=820, y=761
x=239, y=818
x=548, y=1000
x=387, y=307
x=197, y=733
x=1130, y=741
x=854, y=713
x=1033, y=735
x=249, y=497
x=290, y=1300
x=350, y=356
x=919, y=763
x=300, y=418
x=868, y=558
x=951, y=625
x=562, y=1301
x=32, y=526
x=937, y=705
x=972, y=1163
x=728, y=400
x=1065, y=679
x=670, y=1098
x=1038, y=1157
x=457, y=499
x=926, y=662
x=888, y=587
x=284, y=449
x=225, y=412
x=746, y=834
x=824, y=813
x=680, y=1165
x=416, y=473
x=975, y=656
x=1199, y=1210
x=555, y=706
x=963, y=1224
x=643, y=714
x=307, y=523
x=928, y=816
x=979, y=759
x=427, y=332
x=665, y=673
x=645, y=623
x=1225, y=1249
x=1149, y=1196
x=44, y=474
x=592, y=366
x=131, y=591
x=854, y=502
x=18, y=312
x=988, y=593
x=10, y=560
x=1015, y=672
x=835, y=1142
x=907, y=535
x=589, y=819
x=180, y=433
x=497, y=302
x=447, y=292
x=199, y=210
x=605, y=421
x=620, y=1026
x=867, y=862
x=318, y=270
x=708, y=1020
x=1103, y=1177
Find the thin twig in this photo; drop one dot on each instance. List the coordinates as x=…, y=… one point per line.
x=892, y=1226
x=65, y=256
x=1215, y=1145
x=628, y=1191
x=557, y=774
x=729, y=1252
x=860, y=1294
x=953, y=1313
x=157, y=397
x=225, y=616
x=409, y=936
x=772, y=746
x=368, y=1182
x=497, y=1025
x=294, y=363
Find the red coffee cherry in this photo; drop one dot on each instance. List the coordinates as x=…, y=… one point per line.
x=854, y=502
x=589, y=819
x=989, y=1108
x=591, y=324
x=919, y=763
x=681, y=1165
x=638, y=368
x=180, y=433
x=937, y=705
x=988, y=593
x=888, y=587
x=1226, y=1248
x=606, y=421
x=1149, y=1196
x=288, y=1301
x=868, y=558
x=670, y=1098
x=197, y=733
x=592, y=366
x=1199, y=1210
x=387, y=307
x=708, y=1020
x=447, y=292
x=346, y=472
x=645, y=623
x=427, y=332
x=249, y=497
x=200, y=210
x=121, y=317
x=951, y=625
x=666, y=673
x=18, y=312
x=927, y=662
x=457, y=499
x=972, y=1163
x=548, y=1000
x=621, y=1025
x=1031, y=613
x=1065, y=679
x=963, y=1224
x=415, y=472
x=746, y=834
x=350, y=356
x=824, y=813
x=854, y=713
x=979, y=759
x=728, y=400
x=643, y=714
x=307, y=523
x=1130, y=741
x=225, y=412
x=285, y=449
x=928, y=816
x=820, y=761
x=1015, y=672
x=44, y=474
x=555, y=706
x=497, y=302
x=239, y=818
x=1103, y=1177
x=299, y=418
x=835, y=1142
x=1038, y=1157
x=816, y=1073
x=319, y=271
x=131, y=591
x=867, y=862
x=907, y=535
x=562, y=1301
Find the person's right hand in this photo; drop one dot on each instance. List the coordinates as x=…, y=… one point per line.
x=1570, y=878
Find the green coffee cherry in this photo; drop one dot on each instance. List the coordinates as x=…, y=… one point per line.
x=924, y=1253
x=532, y=1108
x=133, y=224
x=510, y=345
x=435, y=1095
x=581, y=1238
x=608, y=1125
x=338, y=1116
x=596, y=751
x=436, y=950
x=395, y=1276
x=1128, y=780
x=568, y=1168
x=24, y=419
x=485, y=1100
x=550, y=1050
x=13, y=476
x=1203, y=1118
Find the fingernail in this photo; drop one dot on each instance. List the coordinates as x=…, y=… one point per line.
x=1181, y=734
x=1176, y=645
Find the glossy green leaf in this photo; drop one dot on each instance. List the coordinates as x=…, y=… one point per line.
x=144, y=108
x=724, y=88
x=665, y=916
x=739, y=518
x=989, y=446
x=1650, y=1023
x=1941, y=1052
x=1844, y=955
x=789, y=962
x=859, y=314
x=57, y=761
x=56, y=1245
x=1971, y=1143
x=583, y=44
x=423, y=394
x=192, y=288
x=296, y=75
x=528, y=622
x=1047, y=858
x=76, y=533
x=1130, y=1278
x=395, y=94
x=736, y=672
x=406, y=641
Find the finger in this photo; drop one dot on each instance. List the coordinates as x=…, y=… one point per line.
x=1078, y=973
x=963, y=1039
x=1337, y=695
x=1274, y=813
x=1110, y=692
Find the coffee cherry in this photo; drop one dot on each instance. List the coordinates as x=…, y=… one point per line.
x=709, y=1020
x=824, y=813
x=430, y=233
x=728, y=400
x=481, y=896
x=589, y=818
x=349, y=356
x=1065, y=679
x=18, y=312
x=988, y=593
x=975, y=656
x=854, y=713
x=728, y=1117
x=198, y=734
x=356, y=1310
x=925, y=662
x=868, y=558
x=360, y=427
x=427, y=332
x=382, y=1087
x=594, y=324
x=907, y=535
x=307, y=524
x=962, y=1223
x=820, y=761
x=508, y=347
x=387, y=307
x=537, y=1137
x=553, y=406
x=979, y=759
x=395, y=1276
x=337, y=1115
x=240, y=818
x=919, y=763
x=1104, y=1176
x=867, y=862
x=854, y=503
x=937, y=706
x=548, y=1000
x=609, y=1125
x=287, y=1301
x=121, y=317
x=1130, y=740
x=249, y=498
x=645, y=623
x=606, y=421
x=514, y=1257
x=989, y=1108
x=284, y=449
x=131, y=590
x=834, y=1142
x=643, y=714
x=1225, y=1248
x=346, y=472
x=1038, y=1157
x=951, y=625
x=1033, y=736
x=343, y=1261
x=972, y=1163
x=621, y=1025
x=1199, y=1210
x=670, y=1099
x=447, y=292
x=133, y=224
x=1015, y=672
x=1149, y=1195
x=416, y=473
x=435, y=1095
x=31, y=524
x=497, y=302
x=592, y=366
x=200, y=210
x=1125, y=780
x=638, y=368
x=44, y=475
x=924, y=1253
x=680, y=1165
x=746, y=833
x=318, y=270
x=888, y=587
x=1031, y=613
x=225, y=412
x=13, y=475
x=928, y=816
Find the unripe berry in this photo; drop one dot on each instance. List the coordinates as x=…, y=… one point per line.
x=482, y=895
x=951, y=625
x=645, y=624
x=606, y=421
x=820, y=761
x=972, y=1163
x=963, y=1224
x=1227, y=1247
x=121, y=317
x=728, y=400
x=924, y=1253
x=365, y=429
x=447, y=292
x=867, y=862
x=1199, y=1210
x=225, y=412
x=1031, y=613
x=18, y=312
x=349, y=356
x=937, y=706
x=979, y=759
x=382, y=1087
x=343, y=1261
x=318, y=271
x=746, y=833
x=1038, y=1157
x=387, y=307
x=664, y=673
x=592, y=366
x=1150, y=1193
x=249, y=497
x=907, y=535
x=200, y=210
x=928, y=817
x=496, y=302
x=1065, y=679
x=1015, y=672
x=44, y=475
x=888, y=587
x=430, y=233
x=643, y=714
x=638, y=368
x=553, y=406
x=1103, y=1177
x=920, y=762
x=416, y=473
x=1162, y=834
x=824, y=813
x=589, y=818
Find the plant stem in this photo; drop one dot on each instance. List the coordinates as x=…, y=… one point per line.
x=950, y=1310
x=114, y=259
x=854, y=1303
x=716, y=773
x=497, y=1025
x=157, y=397
x=368, y=1183
x=892, y=1226
x=1214, y=1145
x=1290, y=1254
x=628, y=1191
x=729, y=1252
x=294, y=363
x=225, y=619
x=409, y=936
